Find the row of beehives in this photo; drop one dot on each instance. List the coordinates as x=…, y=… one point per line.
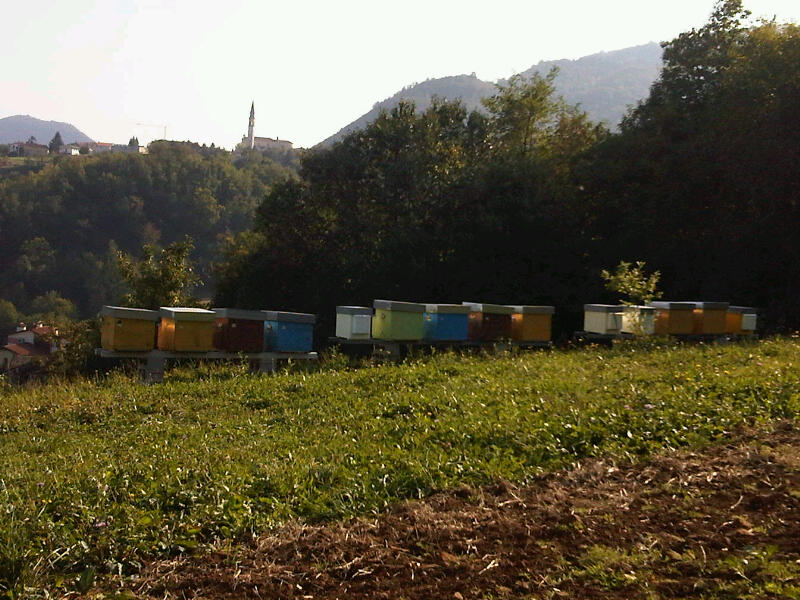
x=469, y=321
x=670, y=318
x=200, y=330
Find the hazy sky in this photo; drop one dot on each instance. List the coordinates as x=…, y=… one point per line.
x=312, y=67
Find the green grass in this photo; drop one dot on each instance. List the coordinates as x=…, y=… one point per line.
x=98, y=476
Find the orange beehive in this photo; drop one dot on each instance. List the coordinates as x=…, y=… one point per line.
x=740, y=320
x=675, y=318
x=532, y=323
x=186, y=329
x=709, y=318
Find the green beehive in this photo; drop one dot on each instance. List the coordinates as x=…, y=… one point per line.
x=397, y=320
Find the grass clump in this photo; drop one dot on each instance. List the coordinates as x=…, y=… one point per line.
x=98, y=476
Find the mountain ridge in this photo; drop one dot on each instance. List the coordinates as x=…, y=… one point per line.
x=604, y=84
x=19, y=128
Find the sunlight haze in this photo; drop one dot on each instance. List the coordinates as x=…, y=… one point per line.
x=120, y=68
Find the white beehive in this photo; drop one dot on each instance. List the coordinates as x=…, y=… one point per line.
x=353, y=322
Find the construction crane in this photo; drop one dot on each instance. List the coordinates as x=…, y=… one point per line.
x=164, y=127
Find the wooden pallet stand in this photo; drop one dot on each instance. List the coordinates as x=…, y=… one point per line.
x=396, y=350
x=154, y=362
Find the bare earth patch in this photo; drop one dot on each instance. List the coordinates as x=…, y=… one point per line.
x=723, y=522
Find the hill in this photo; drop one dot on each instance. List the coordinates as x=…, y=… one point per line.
x=604, y=84
x=21, y=127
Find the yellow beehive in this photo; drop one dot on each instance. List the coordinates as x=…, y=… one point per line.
x=186, y=329
x=710, y=318
x=741, y=320
x=128, y=329
x=674, y=318
x=532, y=323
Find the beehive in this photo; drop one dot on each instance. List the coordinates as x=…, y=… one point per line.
x=128, y=329
x=288, y=331
x=186, y=329
x=674, y=318
x=602, y=318
x=532, y=323
x=353, y=322
x=237, y=330
x=488, y=322
x=639, y=320
x=710, y=318
x=741, y=320
x=445, y=322
x=397, y=320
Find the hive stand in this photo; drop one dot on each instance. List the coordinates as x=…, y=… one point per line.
x=154, y=362
x=397, y=350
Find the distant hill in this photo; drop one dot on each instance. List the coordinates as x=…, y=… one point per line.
x=604, y=84
x=21, y=127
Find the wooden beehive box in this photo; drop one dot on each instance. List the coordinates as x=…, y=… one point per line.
x=237, y=330
x=710, y=318
x=353, y=322
x=741, y=320
x=489, y=322
x=186, y=329
x=393, y=320
x=532, y=323
x=288, y=331
x=639, y=320
x=602, y=318
x=673, y=318
x=445, y=322
x=128, y=329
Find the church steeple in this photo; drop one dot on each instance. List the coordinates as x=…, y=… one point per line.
x=251, y=126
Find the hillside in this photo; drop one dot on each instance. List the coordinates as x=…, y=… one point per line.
x=19, y=128
x=604, y=84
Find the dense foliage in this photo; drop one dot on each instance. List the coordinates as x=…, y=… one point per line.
x=528, y=202
x=61, y=228
x=98, y=476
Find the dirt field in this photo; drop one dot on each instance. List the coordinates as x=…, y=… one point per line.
x=718, y=523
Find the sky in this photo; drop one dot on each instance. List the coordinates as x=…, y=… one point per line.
x=118, y=68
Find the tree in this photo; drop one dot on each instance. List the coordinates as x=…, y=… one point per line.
x=56, y=143
x=52, y=308
x=32, y=139
x=164, y=278
x=9, y=316
x=133, y=142
x=633, y=283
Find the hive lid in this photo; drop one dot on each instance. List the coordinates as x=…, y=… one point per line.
x=187, y=314
x=606, y=308
x=711, y=305
x=534, y=310
x=289, y=317
x=121, y=312
x=745, y=310
x=663, y=305
x=399, y=306
x=447, y=309
x=239, y=313
x=353, y=310
x=491, y=309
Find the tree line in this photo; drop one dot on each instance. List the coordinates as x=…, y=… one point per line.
x=529, y=202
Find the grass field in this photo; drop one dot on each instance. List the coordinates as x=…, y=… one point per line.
x=99, y=477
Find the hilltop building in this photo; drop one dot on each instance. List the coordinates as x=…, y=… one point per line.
x=252, y=142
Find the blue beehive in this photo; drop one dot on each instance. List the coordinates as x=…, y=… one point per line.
x=288, y=331
x=445, y=322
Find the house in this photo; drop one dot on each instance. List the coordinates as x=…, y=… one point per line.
x=71, y=149
x=28, y=149
x=25, y=345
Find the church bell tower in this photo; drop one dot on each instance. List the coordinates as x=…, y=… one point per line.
x=251, y=125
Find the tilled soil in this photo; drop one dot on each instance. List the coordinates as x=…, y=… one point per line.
x=723, y=522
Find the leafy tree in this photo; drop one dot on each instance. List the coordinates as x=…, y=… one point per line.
x=52, y=308
x=164, y=278
x=633, y=283
x=9, y=316
x=133, y=142
x=56, y=143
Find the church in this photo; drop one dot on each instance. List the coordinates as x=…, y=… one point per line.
x=251, y=142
